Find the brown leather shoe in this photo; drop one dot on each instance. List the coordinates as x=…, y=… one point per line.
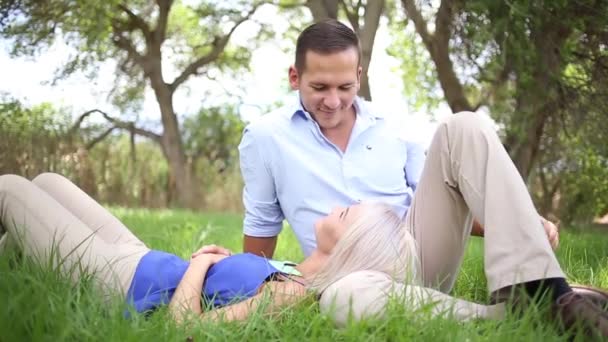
x=575, y=310
x=597, y=296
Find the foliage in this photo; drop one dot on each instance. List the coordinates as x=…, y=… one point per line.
x=33, y=139
x=211, y=139
x=420, y=84
x=213, y=134
x=585, y=189
x=40, y=304
x=159, y=44
x=124, y=177
x=118, y=170
x=92, y=29
x=138, y=178
x=574, y=174
x=541, y=70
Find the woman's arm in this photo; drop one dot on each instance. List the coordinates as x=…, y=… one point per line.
x=273, y=296
x=187, y=296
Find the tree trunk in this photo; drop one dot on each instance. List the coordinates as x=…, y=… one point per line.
x=174, y=152
x=171, y=142
x=438, y=46
x=365, y=92
x=450, y=84
x=537, y=100
x=367, y=35
x=322, y=9
x=524, y=148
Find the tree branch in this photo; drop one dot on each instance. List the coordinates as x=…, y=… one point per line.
x=371, y=20
x=331, y=8
x=219, y=44
x=323, y=9
x=125, y=44
x=443, y=22
x=99, y=138
x=353, y=16
x=289, y=5
x=438, y=47
x=126, y=125
x=160, y=32
x=137, y=22
x=412, y=12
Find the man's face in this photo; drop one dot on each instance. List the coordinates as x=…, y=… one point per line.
x=328, y=86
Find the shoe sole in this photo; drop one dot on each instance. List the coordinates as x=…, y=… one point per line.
x=597, y=296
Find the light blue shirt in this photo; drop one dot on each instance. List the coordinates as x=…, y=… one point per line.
x=291, y=171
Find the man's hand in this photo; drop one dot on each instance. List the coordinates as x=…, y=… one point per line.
x=211, y=249
x=552, y=231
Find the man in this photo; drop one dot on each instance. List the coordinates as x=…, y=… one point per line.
x=331, y=148
x=468, y=173
x=328, y=148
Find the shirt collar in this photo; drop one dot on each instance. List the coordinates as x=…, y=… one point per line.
x=362, y=109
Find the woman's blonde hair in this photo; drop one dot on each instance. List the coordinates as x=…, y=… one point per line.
x=377, y=240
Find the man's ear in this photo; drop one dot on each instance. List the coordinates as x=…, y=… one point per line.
x=294, y=78
x=359, y=71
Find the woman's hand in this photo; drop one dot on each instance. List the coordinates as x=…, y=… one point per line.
x=211, y=249
x=207, y=260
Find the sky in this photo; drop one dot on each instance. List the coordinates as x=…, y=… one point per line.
x=28, y=79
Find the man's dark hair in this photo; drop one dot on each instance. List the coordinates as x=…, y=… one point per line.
x=325, y=37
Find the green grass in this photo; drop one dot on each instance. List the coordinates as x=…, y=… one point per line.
x=38, y=305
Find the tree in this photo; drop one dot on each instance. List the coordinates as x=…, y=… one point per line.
x=38, y=139
x=142, y=37
x=541, y=68
x=438, y=46
x=515, y=56
x=213, y=134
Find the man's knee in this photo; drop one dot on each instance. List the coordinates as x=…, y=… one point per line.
x=12, y=184
x=357, y=296
x=47, y=178
x=469, y=121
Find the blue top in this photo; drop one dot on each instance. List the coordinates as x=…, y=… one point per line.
x=291, y=171
x=231, y=280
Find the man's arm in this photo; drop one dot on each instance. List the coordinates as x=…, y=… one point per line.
x=262, y=246
x=551, y=230
x=415, y=163
x=263, y=215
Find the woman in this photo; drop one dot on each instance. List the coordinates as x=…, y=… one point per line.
x=53, y=220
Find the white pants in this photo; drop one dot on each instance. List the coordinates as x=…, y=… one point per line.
x=467, y=174
x=56, y=223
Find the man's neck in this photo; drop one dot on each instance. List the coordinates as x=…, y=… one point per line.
x=340, y=135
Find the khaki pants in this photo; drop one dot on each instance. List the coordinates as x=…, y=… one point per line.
x=467, y=174
x=56, y=223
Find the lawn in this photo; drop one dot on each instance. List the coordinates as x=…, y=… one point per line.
x=37, y=304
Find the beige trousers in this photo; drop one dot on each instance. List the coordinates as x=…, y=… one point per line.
x=467, y=174
x=60, y=226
